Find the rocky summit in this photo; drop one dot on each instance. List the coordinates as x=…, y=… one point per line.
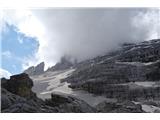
x=37, y=70
x=64, y=63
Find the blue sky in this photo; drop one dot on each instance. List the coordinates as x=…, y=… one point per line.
x=15, y=48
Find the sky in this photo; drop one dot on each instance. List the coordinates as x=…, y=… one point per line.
x=15, y=48
x=31, y=36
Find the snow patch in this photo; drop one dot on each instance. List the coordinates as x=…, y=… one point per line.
x=146, y=84
x=54, y=85
x=148, y=108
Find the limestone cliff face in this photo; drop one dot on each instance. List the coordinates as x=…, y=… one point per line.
x=112, y=73
x=147, y=51
x=37, y=70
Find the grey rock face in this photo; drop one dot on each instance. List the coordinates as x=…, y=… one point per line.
x=20, y=85
x=30, y=71
x=62, y=65
x=7, y=98
x=69, y=104
x=106, y=75
x=148, y=51
x=62, y=104
x=12, y=103
x=37, y=70
x=119, y=107
x=17, y=96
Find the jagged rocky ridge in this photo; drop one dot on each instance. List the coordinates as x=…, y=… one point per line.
x=17, y=96
x=37, y=70
x=64, y=64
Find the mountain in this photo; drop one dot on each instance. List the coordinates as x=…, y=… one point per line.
x=37, y=70
x=130, y=73
x=133, y=62
x=126, y=80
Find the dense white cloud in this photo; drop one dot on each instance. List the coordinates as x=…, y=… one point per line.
x=26, y=23
x=82, y=33
x=4, y=73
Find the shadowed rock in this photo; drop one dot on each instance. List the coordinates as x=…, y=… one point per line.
x=70, y=103
x=18, y=97
x=20, y=85
x=119, y=107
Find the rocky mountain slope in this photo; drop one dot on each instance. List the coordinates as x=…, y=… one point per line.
x=24, y=100
x=133, y=62
x=125, y=80
x=17, y=96
x=130, y=73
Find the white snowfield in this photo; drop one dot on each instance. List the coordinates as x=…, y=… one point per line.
x=137, y=63
x=145, y=84
x=148, y=108
x=49, y=82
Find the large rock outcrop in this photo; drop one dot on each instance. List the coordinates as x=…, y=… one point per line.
x=20, y=85
x=12, y=103
x=17, y=96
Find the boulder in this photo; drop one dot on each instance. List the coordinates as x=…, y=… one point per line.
x=20, y=85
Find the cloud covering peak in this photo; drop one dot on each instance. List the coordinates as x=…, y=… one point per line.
x=85, y=33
